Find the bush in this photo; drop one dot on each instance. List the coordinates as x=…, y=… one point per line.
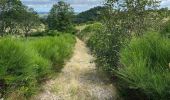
x=103, y=46
x=146, y=66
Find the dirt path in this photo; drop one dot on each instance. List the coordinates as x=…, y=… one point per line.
x=78, y=80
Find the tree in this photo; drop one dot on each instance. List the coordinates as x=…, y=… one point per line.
x=60, y=17
x=15, y=18
x=133, y=16
x=8, y=16
x=30, y=21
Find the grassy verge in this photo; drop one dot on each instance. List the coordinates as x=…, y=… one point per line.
x=27, y=62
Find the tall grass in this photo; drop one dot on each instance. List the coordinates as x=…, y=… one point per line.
x=146, y=66
x=24, y=63
x=18, y=66
x=55, y=49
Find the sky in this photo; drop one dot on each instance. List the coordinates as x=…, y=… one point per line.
x=78, y=5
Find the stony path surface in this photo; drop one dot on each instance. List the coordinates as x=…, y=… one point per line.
x=79, y=80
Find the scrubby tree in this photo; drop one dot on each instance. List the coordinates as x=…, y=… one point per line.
x=60, y=17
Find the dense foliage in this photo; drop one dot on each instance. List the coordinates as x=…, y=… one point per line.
x=27, y=62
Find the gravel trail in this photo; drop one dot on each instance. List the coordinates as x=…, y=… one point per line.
x=79, y=80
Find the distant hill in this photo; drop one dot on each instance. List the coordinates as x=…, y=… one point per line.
x=93, y=14
x=43, y=14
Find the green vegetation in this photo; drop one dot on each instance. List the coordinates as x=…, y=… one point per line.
x=165, y=30
x=145, y=66
x=90, y=30
x=130, y=39
x=56, y=48
x=15, y=18
x=60, y=17
x=101, y=44
x=129, y=52
x=27, y=62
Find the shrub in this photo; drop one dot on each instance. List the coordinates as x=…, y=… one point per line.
x=103, y=46
x=146, y=66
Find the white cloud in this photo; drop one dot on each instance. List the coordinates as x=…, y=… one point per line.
x=78, y=5
x=165, y=3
